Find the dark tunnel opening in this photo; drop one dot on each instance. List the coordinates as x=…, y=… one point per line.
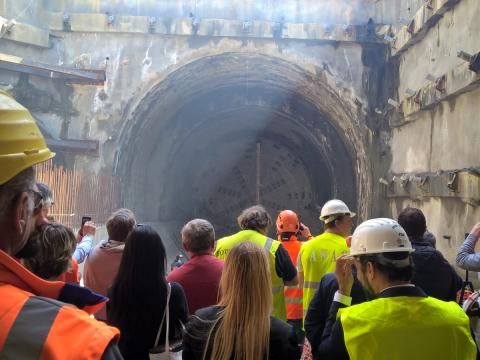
x=224, y=142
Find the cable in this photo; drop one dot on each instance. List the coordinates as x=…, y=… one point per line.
x=23, y=11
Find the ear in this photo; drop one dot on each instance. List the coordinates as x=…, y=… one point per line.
x=370, y=271
x=185, y=247
x=21, y=213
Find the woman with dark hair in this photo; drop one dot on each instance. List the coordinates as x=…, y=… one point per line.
x=139, y=293
x=241, y=327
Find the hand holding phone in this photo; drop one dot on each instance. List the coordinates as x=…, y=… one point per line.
x=305, y=231
x=84, y=220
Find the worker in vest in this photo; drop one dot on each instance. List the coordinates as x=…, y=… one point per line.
x=288, y=226
x=317, y=256
x=34, y=324
x=254, y=223
x=402, y=322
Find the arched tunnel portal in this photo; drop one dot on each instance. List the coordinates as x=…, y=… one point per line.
x=217, y=132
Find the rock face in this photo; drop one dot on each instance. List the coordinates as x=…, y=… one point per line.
x=206, y=110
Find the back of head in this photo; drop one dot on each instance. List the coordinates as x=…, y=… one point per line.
x=247, y=271
x=57, y=244
x=141, y=275
x=287, y=222
x=413, y=221
x=120, y=224
x=243, y=328
x=198, y=236
x=254, y=218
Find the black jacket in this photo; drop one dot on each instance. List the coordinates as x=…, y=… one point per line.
x=433, y=273
x=283, y=341
x=135, y=343
x=319, y=308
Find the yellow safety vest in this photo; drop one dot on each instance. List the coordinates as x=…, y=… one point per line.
x=318, y=258
x=407, y=328
x=225, y=244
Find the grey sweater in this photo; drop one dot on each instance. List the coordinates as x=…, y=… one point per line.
x=466, y=257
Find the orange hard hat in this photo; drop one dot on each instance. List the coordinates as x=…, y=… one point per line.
x=287, y=221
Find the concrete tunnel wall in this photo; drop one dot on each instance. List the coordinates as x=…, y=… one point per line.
x=308, y=101
x=446, y=136
x=196, y=134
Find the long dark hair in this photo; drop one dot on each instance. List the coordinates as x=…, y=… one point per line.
x=139, y=289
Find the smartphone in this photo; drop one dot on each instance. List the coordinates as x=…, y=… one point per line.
x=84, y=220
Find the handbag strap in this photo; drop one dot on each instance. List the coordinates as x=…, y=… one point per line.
x=166, y=314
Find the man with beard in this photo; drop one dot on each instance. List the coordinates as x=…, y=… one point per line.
x=34, y=324
x=402, y=322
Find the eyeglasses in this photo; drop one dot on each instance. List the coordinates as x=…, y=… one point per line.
x=37, y=201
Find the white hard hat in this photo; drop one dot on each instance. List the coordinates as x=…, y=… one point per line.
x=378, y=236
x=332, y=209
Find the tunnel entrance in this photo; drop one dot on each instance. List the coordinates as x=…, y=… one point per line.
x=223, y=132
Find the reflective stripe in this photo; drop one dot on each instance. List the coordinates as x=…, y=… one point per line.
x=268, y=244
x=277, y=289
x=311, y=284
x=292, y=287
x=293, y=300
x=30, y=330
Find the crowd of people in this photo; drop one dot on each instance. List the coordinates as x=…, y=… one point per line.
x=383, y=292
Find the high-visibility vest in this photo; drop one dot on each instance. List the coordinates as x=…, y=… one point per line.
x=318, y=258
x=293, y=294
x=225, y=244
x=407, y=327
x=37, y=327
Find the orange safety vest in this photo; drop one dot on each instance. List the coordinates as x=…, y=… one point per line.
x=33, y=325
x=293, y=294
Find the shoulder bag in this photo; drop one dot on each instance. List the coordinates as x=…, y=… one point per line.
x=164, y=352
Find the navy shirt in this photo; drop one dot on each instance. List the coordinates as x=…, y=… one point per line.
x=284, y=265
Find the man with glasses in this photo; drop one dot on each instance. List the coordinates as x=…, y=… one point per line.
x=33, y=322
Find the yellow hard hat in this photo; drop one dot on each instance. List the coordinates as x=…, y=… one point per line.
x=21, y=143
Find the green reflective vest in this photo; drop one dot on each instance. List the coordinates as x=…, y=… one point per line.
x=407, y=328
x=317, y=257
x=225, y=244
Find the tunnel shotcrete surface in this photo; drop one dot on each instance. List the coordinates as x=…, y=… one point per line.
x=221, y=130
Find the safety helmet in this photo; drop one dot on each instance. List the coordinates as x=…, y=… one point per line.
x=287, y=221
x=378, y=236
x=21, y=143
x=332, y=209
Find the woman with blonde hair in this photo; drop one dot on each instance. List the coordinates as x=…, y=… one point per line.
x=240, y=327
